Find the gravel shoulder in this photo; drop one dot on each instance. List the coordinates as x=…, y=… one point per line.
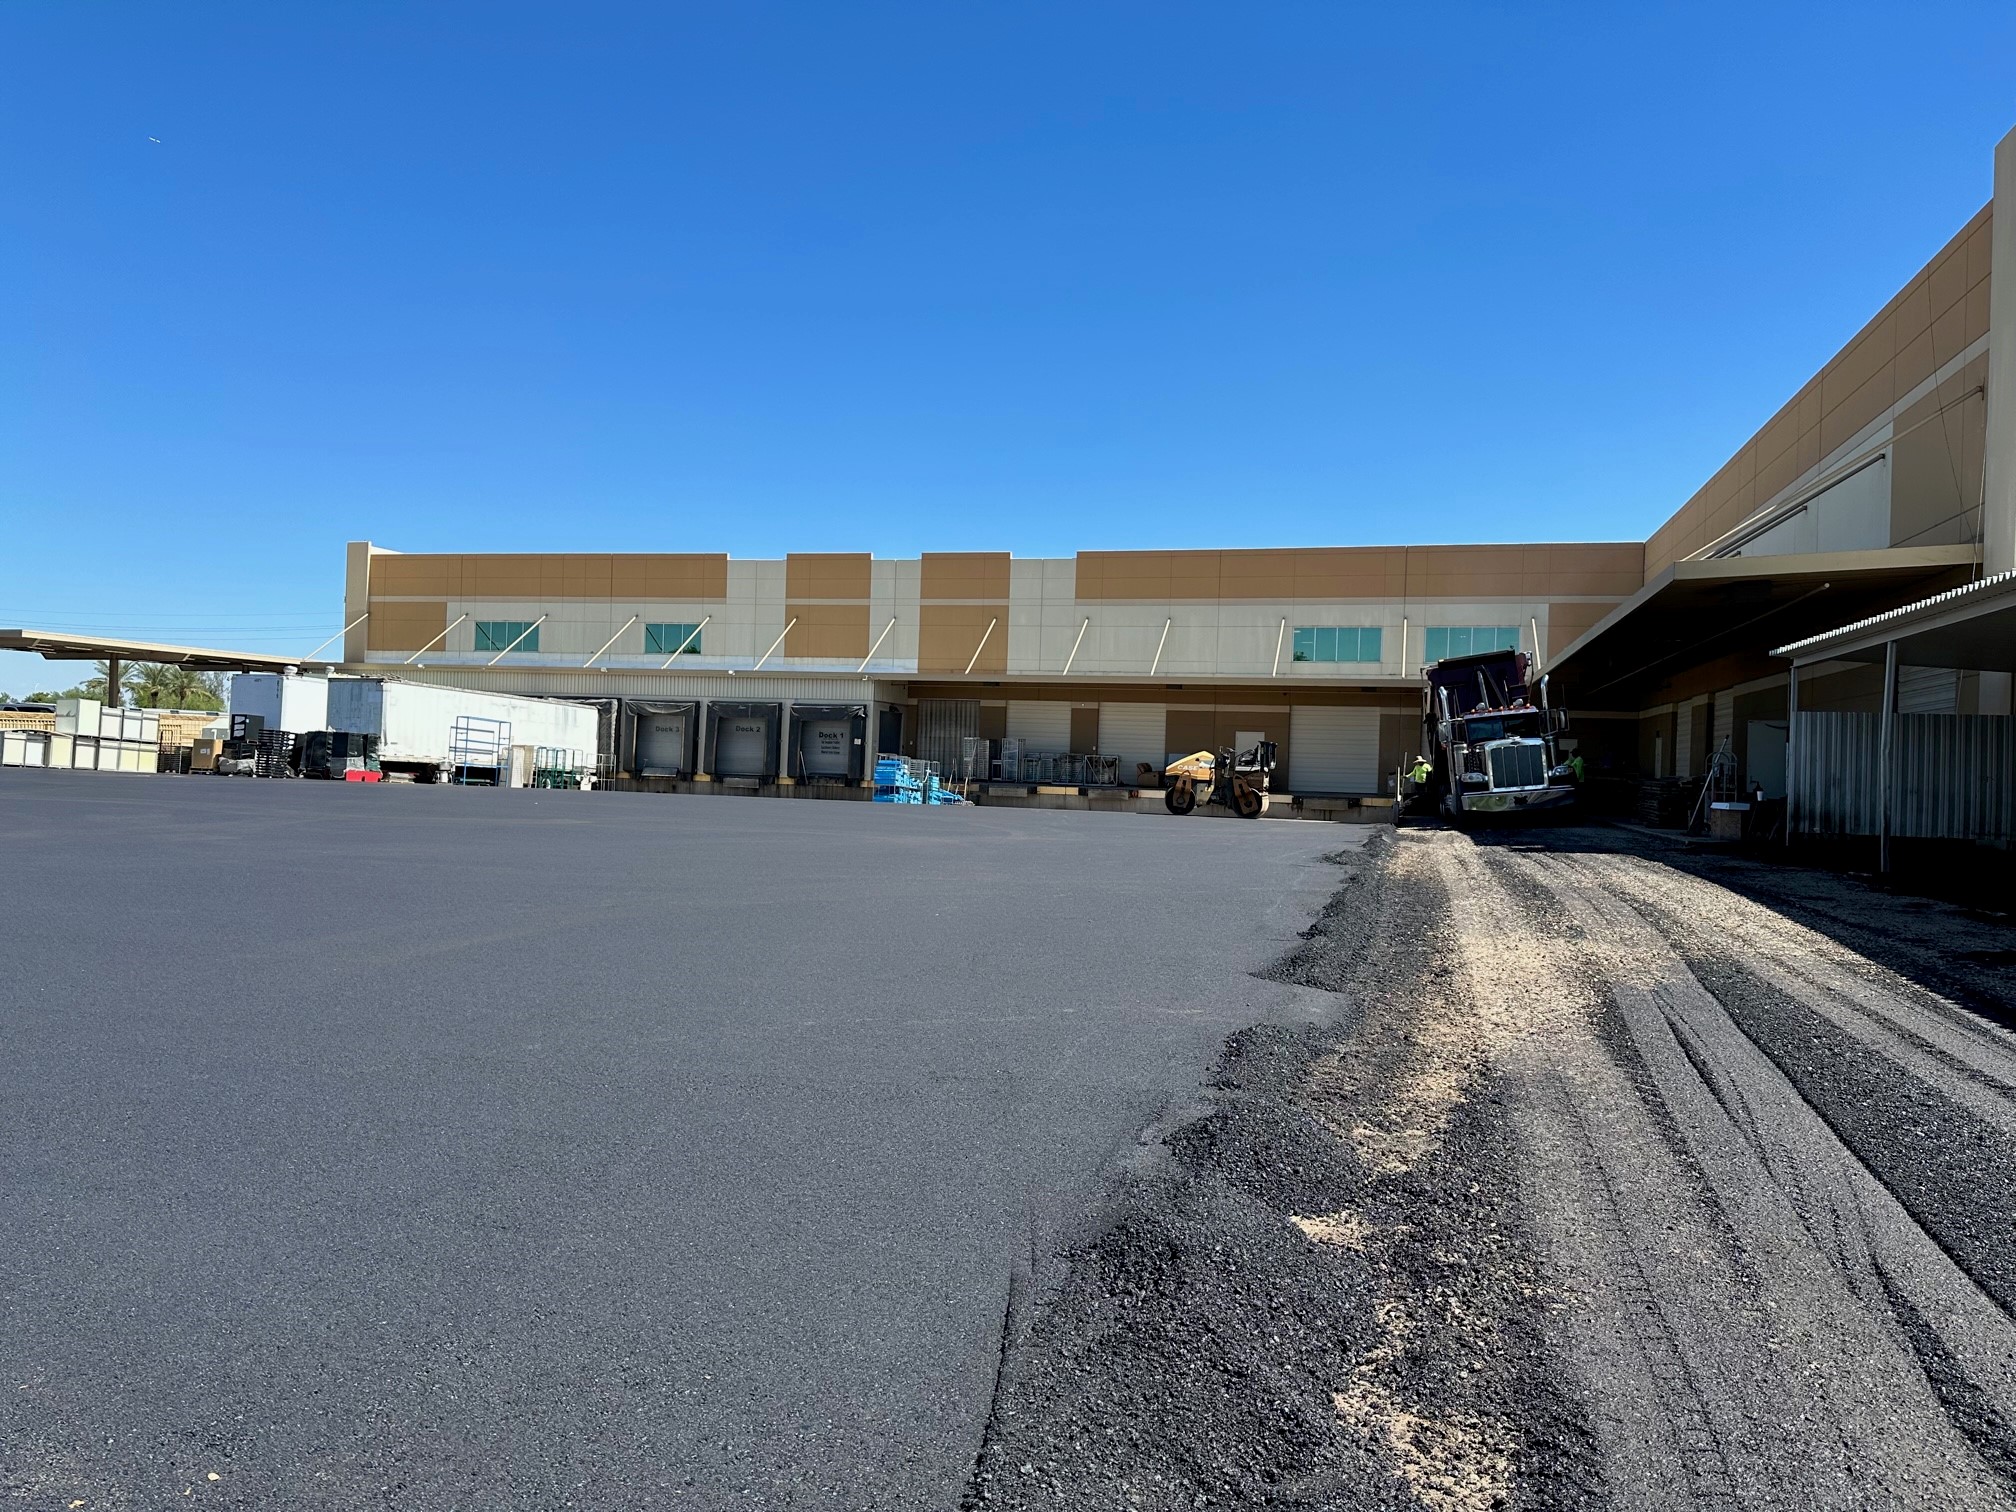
x=1623, y=1178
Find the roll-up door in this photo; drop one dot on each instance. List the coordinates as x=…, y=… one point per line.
x=827, y=741
x=1724, y=727
x=740, y=752
x=1134, y=733
x=1044, y=726
x=662, y=737
x=662, y=743
x=1332, y=750
x=742, y=739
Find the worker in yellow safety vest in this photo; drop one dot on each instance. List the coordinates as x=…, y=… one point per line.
x=1420, y=772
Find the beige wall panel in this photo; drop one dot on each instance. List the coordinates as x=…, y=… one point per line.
x=1948, y=279
x=948, y=633
x=828, y=630
x=501, y=576
x=1914, y=310
x=1194, y=575
x=1980, y=245
x=964, y=575
x=1256, y=574
x=1825, y=411
x=1949, y=334
x=1565, y=622
x=1192, y=730
x=1914, y=362
x=1853, y=414
x=1977, y=314
x=687, y=576
x=828, y=574
x=1350, y=572
x=403, y=626
x=410, y=576
x=1935, y=473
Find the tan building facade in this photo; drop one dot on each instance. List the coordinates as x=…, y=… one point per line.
x=1129, y=654
x=1890, y=474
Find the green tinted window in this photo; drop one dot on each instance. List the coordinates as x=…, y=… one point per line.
x=497, y=635
x=1338, y=643
x=1468, y=640
x=668, y=640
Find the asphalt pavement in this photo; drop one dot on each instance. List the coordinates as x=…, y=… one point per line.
x=398, y=1146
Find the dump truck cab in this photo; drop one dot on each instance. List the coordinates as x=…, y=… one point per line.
x=1492, y=738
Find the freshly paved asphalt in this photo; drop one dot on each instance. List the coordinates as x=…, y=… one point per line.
x=453, y=1147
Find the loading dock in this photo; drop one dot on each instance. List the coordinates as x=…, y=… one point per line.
x=660, y=737
x=828, y=743
x=742, y=741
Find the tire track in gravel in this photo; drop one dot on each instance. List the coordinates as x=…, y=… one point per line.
x=1324, y=1295
x=1843, y=1358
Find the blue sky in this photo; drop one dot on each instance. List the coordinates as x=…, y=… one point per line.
x=923, y=276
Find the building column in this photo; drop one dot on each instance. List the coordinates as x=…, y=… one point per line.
x=1791, y=748
x=1885, y=765
x=1998, y=516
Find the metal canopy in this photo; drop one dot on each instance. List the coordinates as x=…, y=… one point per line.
x=1700, y=611
x=59, y=646
x=1971, y=628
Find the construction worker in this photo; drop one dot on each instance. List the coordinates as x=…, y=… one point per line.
x=1575, y=769
x=1420, y=772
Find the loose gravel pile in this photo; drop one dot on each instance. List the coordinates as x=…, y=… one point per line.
x=1620, y=1178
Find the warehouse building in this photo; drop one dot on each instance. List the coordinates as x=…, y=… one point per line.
x=1887, y=481
x=1888, y=478
x=1130, y=655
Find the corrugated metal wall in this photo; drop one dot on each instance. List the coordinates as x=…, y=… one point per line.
x=942, y=724
x=537, y=681
x=1928, y=690
x=1955, y=775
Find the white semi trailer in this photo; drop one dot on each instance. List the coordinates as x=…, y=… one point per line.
x=430, y=730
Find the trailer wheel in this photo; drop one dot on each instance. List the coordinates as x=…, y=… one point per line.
x=1180, y=797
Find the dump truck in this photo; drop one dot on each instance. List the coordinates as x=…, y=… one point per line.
x=1491, y=740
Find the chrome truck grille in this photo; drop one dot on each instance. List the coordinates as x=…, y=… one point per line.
x=1518, y=766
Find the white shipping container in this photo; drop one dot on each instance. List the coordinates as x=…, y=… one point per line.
x=414, y=722
x=299, y=704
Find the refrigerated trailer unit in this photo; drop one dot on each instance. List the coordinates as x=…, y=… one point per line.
x=285, y=701
x=416, y=723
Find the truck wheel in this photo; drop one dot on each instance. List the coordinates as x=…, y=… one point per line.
x=1181, y=798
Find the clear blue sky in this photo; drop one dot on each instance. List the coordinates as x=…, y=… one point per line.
x=903, y=277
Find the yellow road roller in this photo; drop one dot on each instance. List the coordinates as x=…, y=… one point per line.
x=1236, y=780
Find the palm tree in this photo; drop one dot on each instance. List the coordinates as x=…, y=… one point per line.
x=94, y=687
x=164, y=685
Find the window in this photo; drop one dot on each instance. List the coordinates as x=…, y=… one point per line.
x=666, y=640
x=1337, y=643
x=1467, y=640
x=498, y=635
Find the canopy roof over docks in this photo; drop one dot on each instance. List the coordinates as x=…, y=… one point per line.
x=1971, y=628
x=1700, y=611
x=115, y=652
x=54, y=645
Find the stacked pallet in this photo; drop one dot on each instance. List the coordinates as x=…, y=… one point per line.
x=1665, y=802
